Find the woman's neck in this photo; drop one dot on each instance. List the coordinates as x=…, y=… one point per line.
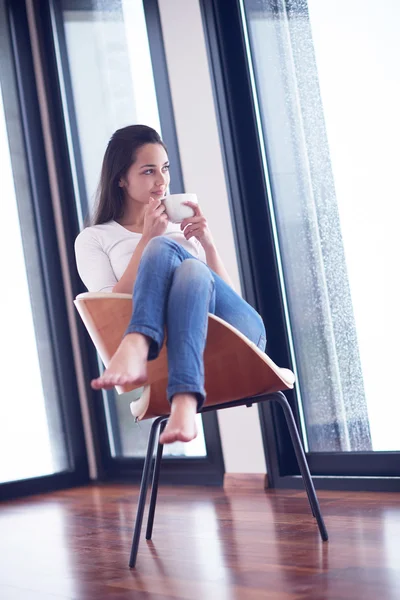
x=133, y=216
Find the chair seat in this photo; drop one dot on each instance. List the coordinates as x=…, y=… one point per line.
x=235, y=367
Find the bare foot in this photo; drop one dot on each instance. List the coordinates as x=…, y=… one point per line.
x=181, y=426
x=128, y=365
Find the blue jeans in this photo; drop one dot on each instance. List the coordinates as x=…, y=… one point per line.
x=175, y=291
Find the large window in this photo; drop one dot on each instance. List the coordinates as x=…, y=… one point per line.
x=330, y=129
x=311, y=92
x=107, y=78
x=33, y=442
x=30, y=440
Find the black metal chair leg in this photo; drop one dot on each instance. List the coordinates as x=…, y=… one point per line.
x=143, y=491
x=154, y=487
x=301, y=459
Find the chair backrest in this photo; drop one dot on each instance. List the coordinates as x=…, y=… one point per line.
x=235, y=368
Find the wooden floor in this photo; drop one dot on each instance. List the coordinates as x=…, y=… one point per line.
x=207, y=545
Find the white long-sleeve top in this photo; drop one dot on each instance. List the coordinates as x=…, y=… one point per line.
x=104, y=251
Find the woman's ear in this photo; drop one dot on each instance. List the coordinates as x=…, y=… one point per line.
x=121, y=183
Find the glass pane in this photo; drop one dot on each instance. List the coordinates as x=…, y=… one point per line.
x=131, y=438
x=109, y=65
x=327, y=85
x=31, y=435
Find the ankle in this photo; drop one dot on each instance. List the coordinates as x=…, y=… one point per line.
x=138, y=340
x=184, y=401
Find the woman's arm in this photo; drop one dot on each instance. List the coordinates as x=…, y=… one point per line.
x=155, y=223
x=214, y=261
x=125, y=284
x=92, y=262
x=197, y=227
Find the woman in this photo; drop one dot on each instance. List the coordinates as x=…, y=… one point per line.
x=175, y=272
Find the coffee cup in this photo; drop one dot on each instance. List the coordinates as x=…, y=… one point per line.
x=176, y=209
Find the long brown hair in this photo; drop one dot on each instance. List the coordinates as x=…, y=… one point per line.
x=119, y=156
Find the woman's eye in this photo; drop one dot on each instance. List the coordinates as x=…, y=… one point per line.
x=150, y=171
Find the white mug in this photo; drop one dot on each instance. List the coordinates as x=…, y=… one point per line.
x=176, y=210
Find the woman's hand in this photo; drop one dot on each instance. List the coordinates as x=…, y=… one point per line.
x=197, y=227
x=155, y=220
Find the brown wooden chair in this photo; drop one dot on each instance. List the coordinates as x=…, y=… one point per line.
x=237, y=373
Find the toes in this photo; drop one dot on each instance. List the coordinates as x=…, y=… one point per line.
x=95, y=384
x=102, y=383
x=120, y=379
x=109, y=380
x=98, y=384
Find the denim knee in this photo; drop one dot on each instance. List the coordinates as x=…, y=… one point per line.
x=193, y=268
x=193, y=272
x=159, y=244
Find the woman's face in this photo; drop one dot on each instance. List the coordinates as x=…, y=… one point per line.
x=148, y=176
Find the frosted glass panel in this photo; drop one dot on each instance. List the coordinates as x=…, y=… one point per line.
x=328, y=89
x=31, y=440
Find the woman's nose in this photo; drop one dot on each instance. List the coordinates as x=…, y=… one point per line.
x=161, y=178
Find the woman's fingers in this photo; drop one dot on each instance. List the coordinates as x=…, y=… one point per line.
x=155, y=204
x=191, y=230
x=197, y=214
x=156, y=207
x=152, y=205
x=195, y=206
x=189, y=220
x=160, y=209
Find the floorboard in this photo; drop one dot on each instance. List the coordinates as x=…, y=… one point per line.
x=207, y=544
